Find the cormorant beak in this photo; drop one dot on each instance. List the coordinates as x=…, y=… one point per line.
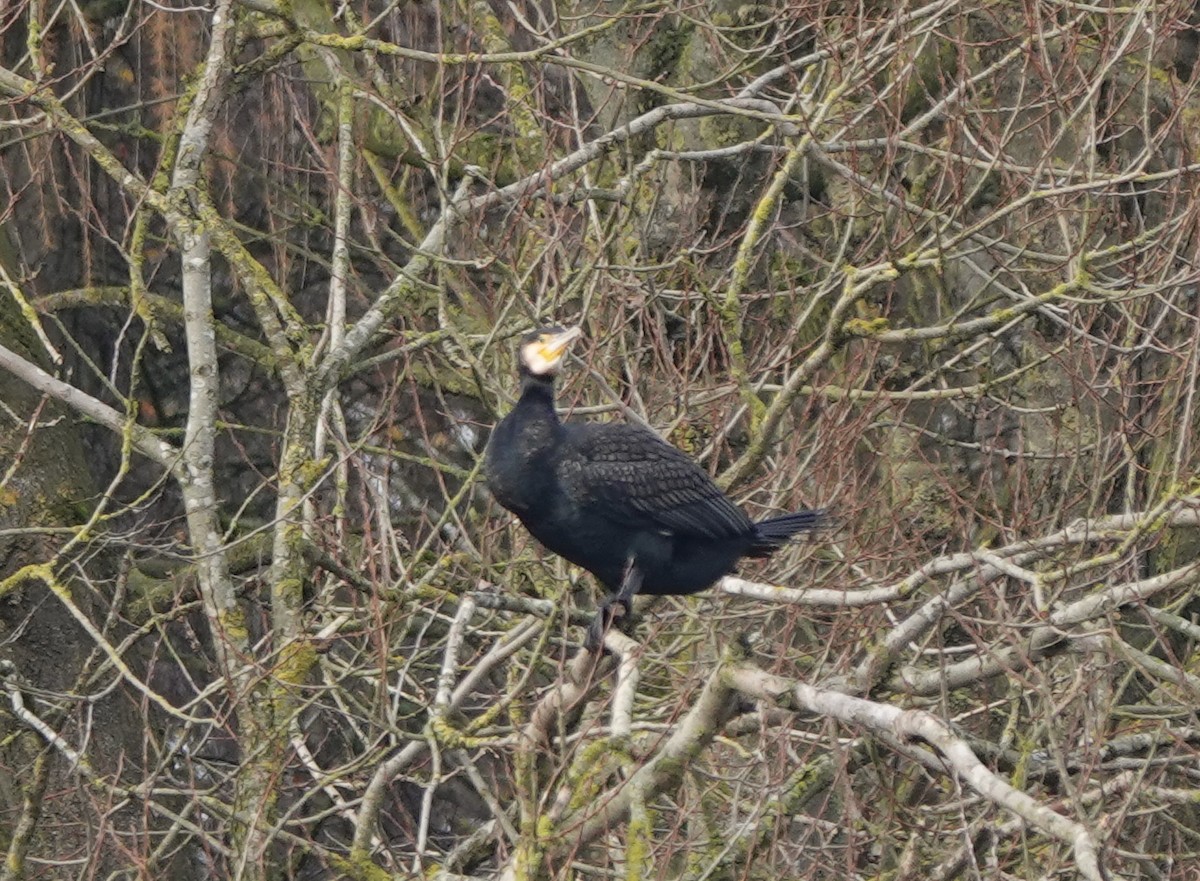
x=553, y=348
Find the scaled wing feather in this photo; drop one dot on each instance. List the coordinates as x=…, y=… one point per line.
x=631, y=475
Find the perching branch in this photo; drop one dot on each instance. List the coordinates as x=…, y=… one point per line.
x=928, y=729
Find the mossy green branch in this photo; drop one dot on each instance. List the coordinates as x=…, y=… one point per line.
x=764, y=420
x=296, y=661
x=529, y=142
x=33, y=43
x=358, y=867
x=405, y=211
x=831, y=342
x=731, y=304
x=548, y=53
x=725, y=858
x=639, y=836
x=452, y=737
x=269, y=301
x=866, y=327
x=588, y=774
x=690, y=736
x=32, y=572
x=45, y=574
x=151, y=587
x=28, y=313
x=140, y=298
x=149, y=307
x=878, y=329
x=260, y=287
x=33, y=794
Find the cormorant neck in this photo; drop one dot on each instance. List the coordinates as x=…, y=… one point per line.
x=537, y=398
x=537, y=388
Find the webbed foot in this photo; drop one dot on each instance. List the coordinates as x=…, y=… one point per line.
x=615, y=611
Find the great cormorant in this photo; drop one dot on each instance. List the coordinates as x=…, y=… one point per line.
x=616, y=499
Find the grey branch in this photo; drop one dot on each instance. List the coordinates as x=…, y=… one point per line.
x=910, y=725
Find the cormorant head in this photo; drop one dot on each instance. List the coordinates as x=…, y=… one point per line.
x=543, y=351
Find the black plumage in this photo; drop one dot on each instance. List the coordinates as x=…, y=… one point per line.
x=616, y=499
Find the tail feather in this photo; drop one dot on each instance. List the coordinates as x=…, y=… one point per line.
x=772, y=534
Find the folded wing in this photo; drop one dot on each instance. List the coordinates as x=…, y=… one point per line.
x=631, y=476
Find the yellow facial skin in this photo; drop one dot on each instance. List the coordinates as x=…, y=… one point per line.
x=544, y=354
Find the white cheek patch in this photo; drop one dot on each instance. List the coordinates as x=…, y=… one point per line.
x=537, y=363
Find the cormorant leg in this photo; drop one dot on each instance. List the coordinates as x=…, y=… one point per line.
x=630, y=585
x=616, y=608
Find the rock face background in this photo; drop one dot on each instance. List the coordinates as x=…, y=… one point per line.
x=930, y=267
